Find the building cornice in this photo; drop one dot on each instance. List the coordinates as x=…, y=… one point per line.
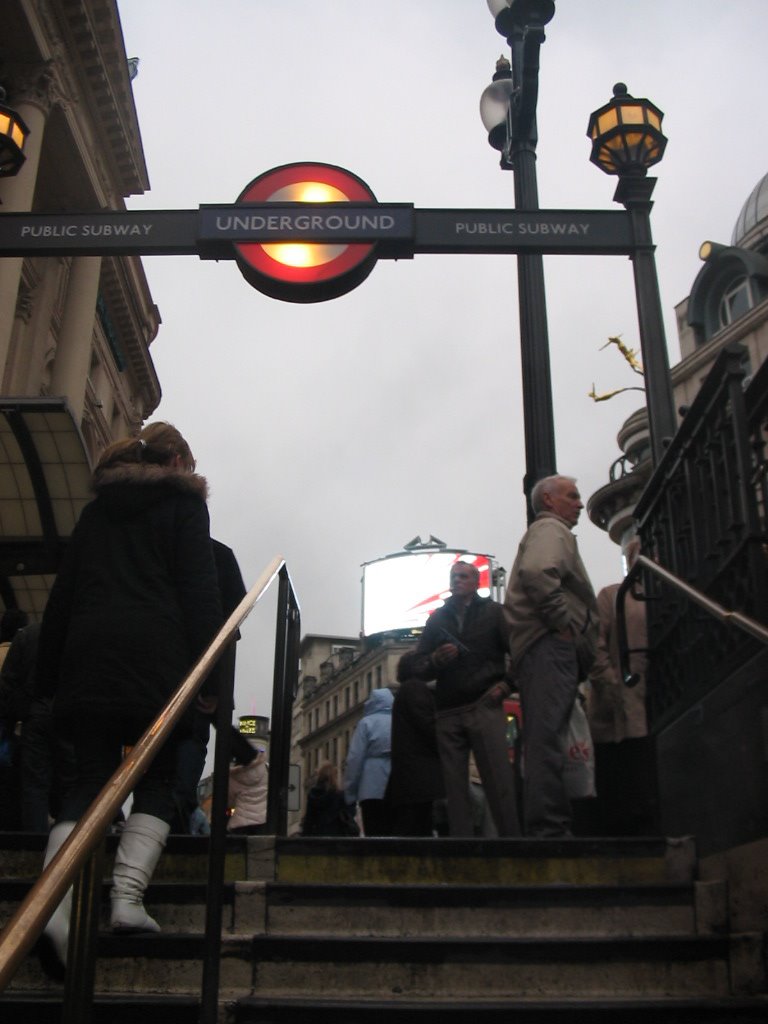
x=74, y=58
x=93, y=28
x=122, y=280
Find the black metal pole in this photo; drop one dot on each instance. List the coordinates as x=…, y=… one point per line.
x=83, y=939
x=283, y=694
x=217, y=850
x=635, y=195
x=538, y=416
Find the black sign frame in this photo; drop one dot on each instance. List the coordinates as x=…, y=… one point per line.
x=398, y=230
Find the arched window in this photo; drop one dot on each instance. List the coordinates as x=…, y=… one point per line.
x=737, y=299
x=730, y=284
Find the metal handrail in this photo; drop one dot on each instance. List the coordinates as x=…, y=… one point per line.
x=22, y=931
x=722, y=614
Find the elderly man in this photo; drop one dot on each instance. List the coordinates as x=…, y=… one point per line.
x=551, y=611
x=464, y=646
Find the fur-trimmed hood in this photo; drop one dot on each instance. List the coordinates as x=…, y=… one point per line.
x=130, y=488
x=148, y=474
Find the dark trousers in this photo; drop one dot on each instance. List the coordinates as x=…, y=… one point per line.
x=412, y=819
x=480, y=727
x=191, y=752
x=377, y=817
x=98, y=753
x=548, y=680
x=47, y=771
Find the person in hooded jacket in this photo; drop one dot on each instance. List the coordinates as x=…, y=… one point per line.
x=134, y=604
x=369, y=764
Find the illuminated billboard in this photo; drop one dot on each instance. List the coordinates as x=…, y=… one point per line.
x=401, y=591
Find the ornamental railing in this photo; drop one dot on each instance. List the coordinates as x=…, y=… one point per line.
x=703, y=518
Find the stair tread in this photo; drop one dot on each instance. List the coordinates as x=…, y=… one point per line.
x=326, y=946
x=575, y=846
x=322, y=1002
x=667, y=1010
x=107, y=1008
x=662, y=891
x=364, y=948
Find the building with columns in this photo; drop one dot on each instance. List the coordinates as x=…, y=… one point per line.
x=75, y=367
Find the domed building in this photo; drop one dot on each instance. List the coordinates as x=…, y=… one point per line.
x=728, y=303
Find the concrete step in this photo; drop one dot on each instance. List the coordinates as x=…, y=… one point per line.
x=281, y=967
x=481, y=910
x=487, y=861
x=37, y=1008
x=254, y=1010
x=185, y=858
x=588, y=968
x=176, y=906
x=151, y=964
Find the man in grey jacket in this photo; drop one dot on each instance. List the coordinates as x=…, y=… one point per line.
x=551, y=611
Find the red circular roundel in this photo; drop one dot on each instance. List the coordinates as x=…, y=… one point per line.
x=305, y=271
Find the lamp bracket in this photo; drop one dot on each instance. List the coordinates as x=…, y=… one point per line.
x=633, y=190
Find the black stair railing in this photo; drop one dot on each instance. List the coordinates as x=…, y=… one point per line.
x=702, y=517
x=285, y=684
x=79, y=859
x=728, y=616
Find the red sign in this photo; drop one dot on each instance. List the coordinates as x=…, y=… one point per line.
x=305, y=271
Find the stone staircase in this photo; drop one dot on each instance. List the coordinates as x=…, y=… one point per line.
x=390, y=930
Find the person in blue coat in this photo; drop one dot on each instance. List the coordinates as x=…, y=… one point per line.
x=369, y=764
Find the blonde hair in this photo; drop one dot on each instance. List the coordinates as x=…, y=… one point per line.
x=327, y=775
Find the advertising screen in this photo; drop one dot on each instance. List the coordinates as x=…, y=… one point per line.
x=401, y=591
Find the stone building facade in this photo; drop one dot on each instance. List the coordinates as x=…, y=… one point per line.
x=337, y=676
x=75, y=331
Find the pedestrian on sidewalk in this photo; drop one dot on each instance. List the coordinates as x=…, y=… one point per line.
x=369, y=764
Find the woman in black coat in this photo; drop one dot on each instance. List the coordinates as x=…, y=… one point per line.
x=327, y=812
x=134, y=604
x=416, y=779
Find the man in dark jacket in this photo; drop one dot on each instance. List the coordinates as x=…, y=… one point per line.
x=464, y=646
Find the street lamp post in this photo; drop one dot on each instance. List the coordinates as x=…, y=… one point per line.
x=508, y=110
x=13, y=135
x=626, y=140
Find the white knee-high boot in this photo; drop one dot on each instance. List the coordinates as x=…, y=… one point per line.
x=56, y=932
x=141, y=843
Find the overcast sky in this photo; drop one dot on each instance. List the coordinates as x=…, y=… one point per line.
x=332, y=433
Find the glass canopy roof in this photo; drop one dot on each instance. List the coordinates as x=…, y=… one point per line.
x=45, y=475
